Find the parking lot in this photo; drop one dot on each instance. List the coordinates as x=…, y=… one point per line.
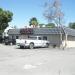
x=39, y=61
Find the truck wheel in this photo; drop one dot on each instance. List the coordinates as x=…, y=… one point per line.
x=31, y=46
x=21, y=47
x=47, y=45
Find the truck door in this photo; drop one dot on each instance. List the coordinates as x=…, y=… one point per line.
x=39, y=41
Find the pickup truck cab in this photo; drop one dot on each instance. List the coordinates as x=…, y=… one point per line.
x=31, y=42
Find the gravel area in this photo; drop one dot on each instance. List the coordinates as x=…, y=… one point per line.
x=39, y=61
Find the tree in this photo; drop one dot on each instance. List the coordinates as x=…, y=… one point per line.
x=72, y=25
x=41, y=25
x=50, y=25
x=5, y=18
x=33, y=21
x=53, y=12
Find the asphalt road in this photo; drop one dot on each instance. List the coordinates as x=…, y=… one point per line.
x=39, y=61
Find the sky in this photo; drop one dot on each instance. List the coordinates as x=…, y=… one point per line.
x=24, y=10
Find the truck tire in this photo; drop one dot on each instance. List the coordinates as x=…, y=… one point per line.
x=21, y=47
x=47, y=45
x=31, y=46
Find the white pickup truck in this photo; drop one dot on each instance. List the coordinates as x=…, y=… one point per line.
x=31, y=42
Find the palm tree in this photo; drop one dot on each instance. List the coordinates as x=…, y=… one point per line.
x=33, y=21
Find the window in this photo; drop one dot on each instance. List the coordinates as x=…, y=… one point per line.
x=17, y=37
x=32, y=37
x=44, y=37
x=39, y=38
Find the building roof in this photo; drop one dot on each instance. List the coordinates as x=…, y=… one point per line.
x=69, y=31
x=45, y=31
x=14, y=31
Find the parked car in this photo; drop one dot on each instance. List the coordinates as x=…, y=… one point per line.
x=10, y=41
x=31, y=42
x=7, y=41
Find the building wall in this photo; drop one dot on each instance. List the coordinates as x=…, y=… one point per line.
x=70, y=41
x=19, y=36
x=23, y=37
x=14, y=36
x=54, y=39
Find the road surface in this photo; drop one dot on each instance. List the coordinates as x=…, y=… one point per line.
x=39, y=61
